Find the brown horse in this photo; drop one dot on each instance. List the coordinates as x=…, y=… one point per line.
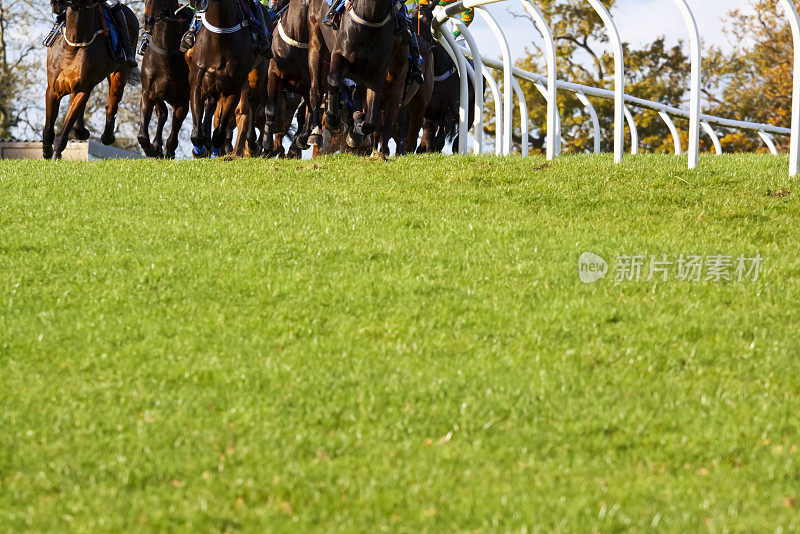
x=76, y=63
x=367, y=50
x=288, y=72
x=165, y=74
x=220, y=64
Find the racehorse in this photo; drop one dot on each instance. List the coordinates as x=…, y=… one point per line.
x=441, y=115
x=220, y=64
x=165, y=74
x=288, y=72
x=367, y=50
x=413, y=112
x=76, y=63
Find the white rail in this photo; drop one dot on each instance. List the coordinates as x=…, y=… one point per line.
x=549, y=85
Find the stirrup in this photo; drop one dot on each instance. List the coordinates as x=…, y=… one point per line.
x=187, y=41
x=143, y=45
x=53, y=35
x=332, y=21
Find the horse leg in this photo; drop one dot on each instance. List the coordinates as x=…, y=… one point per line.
x=178, y=116
x=198, y=120
x=77, y=106
x=80, y=130
x=333, y=119
x=365, y=125
x=391, y=106
x=209, y=114
x=227, y=110
x=146, y=113
x=271, y=109
x=428, y=132
x=116, y=88
x=316, y=67
x=416, y=112
x=163, y=114
x=52, y=103
x=244, y=122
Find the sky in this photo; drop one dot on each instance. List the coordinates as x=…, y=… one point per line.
x=639, y=22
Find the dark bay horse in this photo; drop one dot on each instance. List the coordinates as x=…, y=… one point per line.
x=165, y=74
x=441, y=115
x=77, y=62
x=220, y=64
x=288, y=72
x=367, y=50
x=412, y=113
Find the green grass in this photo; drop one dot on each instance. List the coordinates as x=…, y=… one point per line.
x=401, y=346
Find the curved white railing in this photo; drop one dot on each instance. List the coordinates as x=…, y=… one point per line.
x=549, y=85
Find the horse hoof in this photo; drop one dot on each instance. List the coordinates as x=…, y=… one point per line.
x=82, y=134
x=354, y=140
x=199, y=152
x=108, y=139
x=315, y=140
x=332, y=121
x=215, y=153
x=47, y=152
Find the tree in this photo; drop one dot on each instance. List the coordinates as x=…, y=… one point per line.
x=654, y=72
x=19, y=61
x=753, y=82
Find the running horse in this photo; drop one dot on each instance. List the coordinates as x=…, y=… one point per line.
x=165, y=74
x=288, y=72
x=77, y=62
x=367, y=50
x=220, y=66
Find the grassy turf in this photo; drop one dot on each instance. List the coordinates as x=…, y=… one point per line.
x=405, y=346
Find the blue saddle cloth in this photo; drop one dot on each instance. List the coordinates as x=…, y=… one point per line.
x=112, y=30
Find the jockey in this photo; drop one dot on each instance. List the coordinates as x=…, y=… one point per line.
x=260, y=35
x=120, y=21
x=334, y=16
x=466, y=17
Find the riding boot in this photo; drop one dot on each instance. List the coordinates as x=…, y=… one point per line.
x=415, y=70
x=334, y=16
x=263, y=40
x=121, y=25
x=57, y=27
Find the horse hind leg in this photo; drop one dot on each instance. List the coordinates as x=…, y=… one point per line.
x=244, y=123
x=163, y=114
x=77, y=107
x=52, y=103
x=116, y=89
x=146, y=113
x=178, y=116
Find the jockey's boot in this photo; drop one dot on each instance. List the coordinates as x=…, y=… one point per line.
x=53, y=35
x=334, y=16
x=121, y=25
x=414, y=56
x=263, y=45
